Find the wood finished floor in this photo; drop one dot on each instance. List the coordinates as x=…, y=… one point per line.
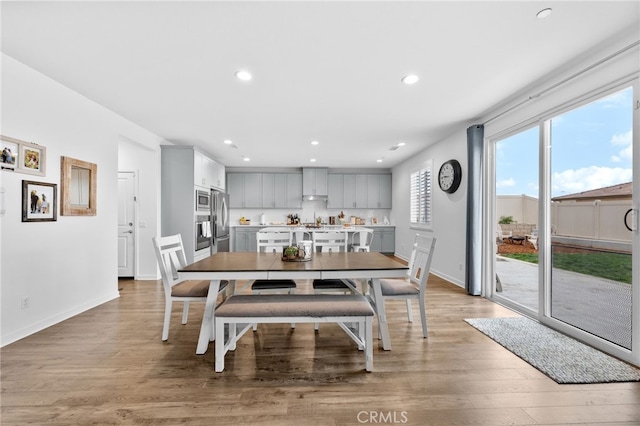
x=108, y=366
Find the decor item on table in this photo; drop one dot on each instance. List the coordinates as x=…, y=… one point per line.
x=23, y=157
x=39, y=201
x=78, y=187
x=290, y=253
x=563, y=359
x=450, y=176
x=244, y=221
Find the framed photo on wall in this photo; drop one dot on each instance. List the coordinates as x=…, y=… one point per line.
x=23, y=157
x=39, y=201
x=10, y=150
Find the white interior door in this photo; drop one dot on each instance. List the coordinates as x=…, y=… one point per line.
x=126, y=221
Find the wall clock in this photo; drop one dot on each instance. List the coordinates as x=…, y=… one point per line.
x=450, y=176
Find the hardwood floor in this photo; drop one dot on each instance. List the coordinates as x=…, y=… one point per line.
x=109, y=366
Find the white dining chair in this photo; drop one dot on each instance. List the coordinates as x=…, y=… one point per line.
x=362, y=240
x=171, y=257
x=414, y=286
x=331, y=242
x=273, y=241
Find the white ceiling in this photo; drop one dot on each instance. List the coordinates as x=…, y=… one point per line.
x=326, y=71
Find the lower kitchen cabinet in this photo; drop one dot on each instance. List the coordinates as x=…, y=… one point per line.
x=244, y=238
x=384, y=239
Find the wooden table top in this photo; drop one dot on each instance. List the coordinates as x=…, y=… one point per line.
x=264, y=262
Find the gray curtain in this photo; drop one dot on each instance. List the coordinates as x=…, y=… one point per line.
x=473, y=272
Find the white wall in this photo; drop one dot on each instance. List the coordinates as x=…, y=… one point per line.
x=449, y=210
x=68, y=266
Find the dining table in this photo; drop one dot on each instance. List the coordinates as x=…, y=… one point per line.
x=236, y=266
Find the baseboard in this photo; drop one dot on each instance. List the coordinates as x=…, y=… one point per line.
x=53, y=320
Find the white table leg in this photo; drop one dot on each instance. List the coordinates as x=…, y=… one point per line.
x=382, y=316
x=207, y=318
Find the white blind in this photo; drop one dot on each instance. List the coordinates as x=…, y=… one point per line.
x=420, y=190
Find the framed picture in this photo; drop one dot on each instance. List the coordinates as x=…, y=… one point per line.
x=39, y=201
x=23, y=157
x=10, y=150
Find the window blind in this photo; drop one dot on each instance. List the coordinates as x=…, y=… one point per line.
x=420, y=190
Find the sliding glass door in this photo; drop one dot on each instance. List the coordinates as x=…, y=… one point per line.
x=565, y=215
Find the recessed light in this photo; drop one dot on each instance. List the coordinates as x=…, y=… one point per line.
x=247, y=159
x=543, y=13
x=379, y=160
x=243, y=75
x=314, y=142
x=313, y=160
x=228, y=142
x=410, y=79
x=401, y=144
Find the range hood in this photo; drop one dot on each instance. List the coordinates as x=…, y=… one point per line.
x=315, y=198
x=314, y=184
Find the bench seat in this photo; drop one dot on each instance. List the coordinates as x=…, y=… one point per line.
x=298, y=308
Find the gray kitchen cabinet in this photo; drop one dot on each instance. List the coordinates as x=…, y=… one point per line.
x=335, y=191
x=253, y=190
x=384, y=239
x=265, y=190
x=314, y=181
x=379, y=191
x=294, y=191
x=355, y=191
x=245, y=190
x=269, y=189
x=244, y=238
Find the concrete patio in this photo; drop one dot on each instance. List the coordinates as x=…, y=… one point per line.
x=598, y=306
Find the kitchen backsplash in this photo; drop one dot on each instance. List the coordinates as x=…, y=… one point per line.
x=306, y=213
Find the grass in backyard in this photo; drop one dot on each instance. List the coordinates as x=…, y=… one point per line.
x=611, y=266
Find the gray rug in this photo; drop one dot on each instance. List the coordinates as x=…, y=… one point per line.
x=560, y=357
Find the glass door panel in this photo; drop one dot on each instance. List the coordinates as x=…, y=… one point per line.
x=591, y=190
x=516, y=189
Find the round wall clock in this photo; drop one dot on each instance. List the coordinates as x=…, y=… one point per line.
x=450, y=176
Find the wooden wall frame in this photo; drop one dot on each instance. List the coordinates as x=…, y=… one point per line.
x=79, y=182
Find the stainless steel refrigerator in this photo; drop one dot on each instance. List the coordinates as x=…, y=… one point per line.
x=220, y=221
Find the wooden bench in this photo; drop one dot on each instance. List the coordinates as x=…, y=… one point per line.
x=294, y=308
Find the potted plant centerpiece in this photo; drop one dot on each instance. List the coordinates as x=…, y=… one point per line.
x=291, y=252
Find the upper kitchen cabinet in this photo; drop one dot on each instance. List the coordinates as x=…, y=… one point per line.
x=282, y=190
x=359, y=191
x=208, y=173
x=314, y=181
x=245, y=190
x=355, y=191
x=379, y=191
x=335, y=191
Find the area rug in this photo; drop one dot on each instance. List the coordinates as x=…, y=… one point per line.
x=560, y=357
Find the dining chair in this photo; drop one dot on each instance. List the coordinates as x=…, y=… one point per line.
x=331, y=242
x=414, y=286
x=171, y=257
x=362, y=240
x=273, y=241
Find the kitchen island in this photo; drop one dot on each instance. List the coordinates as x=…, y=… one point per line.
x=244, y=236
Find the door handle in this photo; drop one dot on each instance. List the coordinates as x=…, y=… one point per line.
x=128, y=232
x=634, y=220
